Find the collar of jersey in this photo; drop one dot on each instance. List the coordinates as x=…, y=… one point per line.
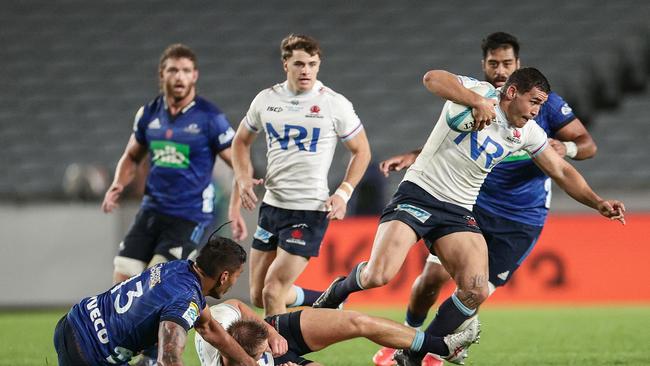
x=314, y=90
x=185, y=109
x=500, y=115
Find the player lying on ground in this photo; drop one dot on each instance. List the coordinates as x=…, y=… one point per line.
x=311, y=330
x=159, y=305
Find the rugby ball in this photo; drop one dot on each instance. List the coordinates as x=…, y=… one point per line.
x=459, y=117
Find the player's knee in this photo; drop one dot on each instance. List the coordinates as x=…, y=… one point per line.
x=128, y=266
x=474, y=296
x=256, y=297
x=359, y=323
x=272, y=291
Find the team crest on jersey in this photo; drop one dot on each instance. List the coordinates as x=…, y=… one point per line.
x=420, y=214
x=192, y=128
x=516, y=136
x=191, y=314
x=314, y=112
x=154, y=125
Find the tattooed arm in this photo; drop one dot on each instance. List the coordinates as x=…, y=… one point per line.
x=171, y=342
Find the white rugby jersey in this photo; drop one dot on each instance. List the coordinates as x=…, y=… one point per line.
x=453, y=165
x=225, y=314
x=301, y=134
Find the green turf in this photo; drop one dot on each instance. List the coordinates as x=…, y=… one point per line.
x=510, y=336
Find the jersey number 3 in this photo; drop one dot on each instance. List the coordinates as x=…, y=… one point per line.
x=131, y=294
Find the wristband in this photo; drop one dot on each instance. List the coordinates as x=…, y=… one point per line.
x=344, y=183
x=343, y=194
x=571, y=149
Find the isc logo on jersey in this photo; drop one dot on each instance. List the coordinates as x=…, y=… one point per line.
x=459, y=117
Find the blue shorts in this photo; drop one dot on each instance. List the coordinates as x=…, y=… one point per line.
x=509, y=243
x=68, y=349
x=429, y=217
x=296, y=231
x=288, y=325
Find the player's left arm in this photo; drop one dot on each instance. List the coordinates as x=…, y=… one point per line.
x=573, y=140
x=573, y=183
x=277, y=343
x=359, y=159
x=171, y=343
x=212, y=332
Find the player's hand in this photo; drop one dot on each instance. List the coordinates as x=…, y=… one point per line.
x=397, y=163
x=613, y=209
x=336, y=206
x=278, y=344
x=246, y=192
x=110, y=198
x=484, y=113
x=238, y=226
x=558, y=146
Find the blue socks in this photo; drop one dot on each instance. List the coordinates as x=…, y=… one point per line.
x=352, y=283
x=414, y=320
x=451, y=314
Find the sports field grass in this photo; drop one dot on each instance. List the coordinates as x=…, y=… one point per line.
x=510, y=336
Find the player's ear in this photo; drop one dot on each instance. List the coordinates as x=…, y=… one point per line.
x=224, y=277
x=511, y=92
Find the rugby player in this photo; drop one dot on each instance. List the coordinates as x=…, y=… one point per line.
x=159, y=305
x=435, y=199
x=513, y=202
x=302, y=120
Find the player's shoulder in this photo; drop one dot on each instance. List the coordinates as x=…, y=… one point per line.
x=334, y=96
x=203, y=105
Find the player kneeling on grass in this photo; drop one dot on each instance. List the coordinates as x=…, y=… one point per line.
x=310, y=330
x=159, y=305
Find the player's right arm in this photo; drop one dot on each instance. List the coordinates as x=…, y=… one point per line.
x=171, y=343
x=399, y=162
x=124, y=172
x=447, y=86
x=243, y=167
x=212, y=332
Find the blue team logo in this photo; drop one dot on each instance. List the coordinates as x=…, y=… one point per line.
x=298, y=134
x=420, y=214
x=262, y=235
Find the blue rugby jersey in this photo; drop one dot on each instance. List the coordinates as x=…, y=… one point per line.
x=124, y=320
x=182, y=154
x=516, y=188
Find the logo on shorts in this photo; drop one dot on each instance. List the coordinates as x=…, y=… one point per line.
x=471, y=221
x=262, y=235
x=420, y=214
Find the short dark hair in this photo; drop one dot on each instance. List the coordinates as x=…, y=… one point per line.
x=176, y=51
x=527, y=78
x=220, y=254
x=500, y=40
x=249, y=334
x=294, y=42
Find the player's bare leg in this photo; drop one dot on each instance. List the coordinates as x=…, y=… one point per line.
x=344, y=325
x=392, y=243
x=258, y=265
x=278, y=285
